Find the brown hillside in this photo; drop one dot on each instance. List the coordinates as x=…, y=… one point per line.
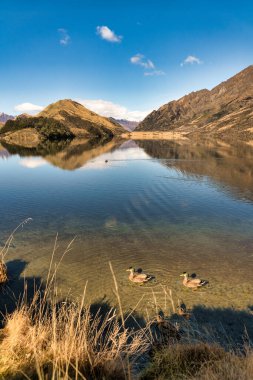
x=225, y=111
x=80, y=120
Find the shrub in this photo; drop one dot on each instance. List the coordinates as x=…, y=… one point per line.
x=48, y=128
x=180, y=361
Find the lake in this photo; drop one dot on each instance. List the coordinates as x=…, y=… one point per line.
x=163, y=206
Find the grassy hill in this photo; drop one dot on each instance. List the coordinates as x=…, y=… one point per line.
x=62, y=120
x=80, y=120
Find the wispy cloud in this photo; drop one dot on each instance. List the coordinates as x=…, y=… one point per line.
x=147, y=64
x=110, y=109
x=139, y=59
x=28, y=107
x=107, y=34
x=191, y=59
x=64, y=37
x=154, y=73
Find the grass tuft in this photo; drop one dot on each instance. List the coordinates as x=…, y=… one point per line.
x=180, y=361
x=3, y=273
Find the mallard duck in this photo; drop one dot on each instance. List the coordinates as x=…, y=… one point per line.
x=167, y=328
x=192, y=282
x=182, y=311
x=138, y=277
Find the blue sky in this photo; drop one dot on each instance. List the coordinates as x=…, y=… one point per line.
x=122, y=58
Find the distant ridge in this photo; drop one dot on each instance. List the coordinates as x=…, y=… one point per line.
x=126, y=124
x=4, y=117
x=225, y=111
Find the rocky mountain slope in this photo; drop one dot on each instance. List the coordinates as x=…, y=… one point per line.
x=80, y=120
x=225, y=111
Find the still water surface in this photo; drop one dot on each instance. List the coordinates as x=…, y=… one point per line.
x=166, y=207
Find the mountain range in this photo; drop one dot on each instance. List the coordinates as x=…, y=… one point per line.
x=224, y=111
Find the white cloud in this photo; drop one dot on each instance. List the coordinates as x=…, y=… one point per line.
x=147, y=64
x=110, y=109
x=191, y=59
x=139, y=59
x=64, y=37
x=107, y=34
x=28, y=107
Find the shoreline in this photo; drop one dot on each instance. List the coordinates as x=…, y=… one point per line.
x=155, y=136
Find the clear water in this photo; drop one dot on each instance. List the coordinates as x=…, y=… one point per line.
x=166, y=207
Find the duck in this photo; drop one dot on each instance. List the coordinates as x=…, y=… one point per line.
x=193, y=283
x=167, y=328
x=182, y=311
x=138, y=277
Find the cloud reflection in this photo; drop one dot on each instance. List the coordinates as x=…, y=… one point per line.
x=108, y=160
x=32, y=162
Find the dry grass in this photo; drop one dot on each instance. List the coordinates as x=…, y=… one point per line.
x=3, y=273
x=51, y=339
x=198, y=361
x=181, y=360
x=66, y=341
x=231, y=367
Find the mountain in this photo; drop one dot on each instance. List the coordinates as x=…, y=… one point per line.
x=80, y=120
x=62, y=120
x=4, y=117
x=224, y=111
x=127, y=124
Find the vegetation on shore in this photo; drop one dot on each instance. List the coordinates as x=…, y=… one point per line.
x=48, y=128
x=50, y=338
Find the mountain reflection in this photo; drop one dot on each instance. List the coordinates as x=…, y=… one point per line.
x=67, y=155
x=229, y=165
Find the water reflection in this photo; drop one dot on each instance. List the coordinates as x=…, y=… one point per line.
x=229, y=165
x=67, y=155
x=159, y=205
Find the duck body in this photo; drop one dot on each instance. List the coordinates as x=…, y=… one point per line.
x=192, y=282
x=167, y=329
x=136, y=277
x=182, y=312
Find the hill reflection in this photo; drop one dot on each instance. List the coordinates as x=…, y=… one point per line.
x=229, y=165
x=67, y=155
